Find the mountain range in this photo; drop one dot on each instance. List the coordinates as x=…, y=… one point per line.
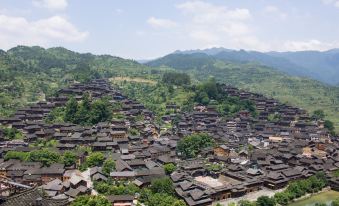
x=321, y=66
x=258, y=72
x=28, y=74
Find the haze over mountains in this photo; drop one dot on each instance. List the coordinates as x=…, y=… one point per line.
x=321, y=66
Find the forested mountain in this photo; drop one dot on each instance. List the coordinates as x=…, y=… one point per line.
x=28, y=74
x=303, y=92
x=322, y=66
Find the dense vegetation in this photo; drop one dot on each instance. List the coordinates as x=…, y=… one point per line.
x=87, y=112
x=28, y=74
x=322, y=66
x=155, y=96
x=176, y=78
x=191, y=146
x=160, y=192
x=90, y=200
x=302, y=92
x=294, y=190
x=301, y=187
x=45, y=156
x=11, y=133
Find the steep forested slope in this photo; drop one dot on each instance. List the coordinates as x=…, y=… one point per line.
x=302, y=92
x=27, y=74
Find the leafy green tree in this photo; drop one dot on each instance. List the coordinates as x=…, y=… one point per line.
x=46, y=157
x=88, y=200
x=101, y=111
x=318, y=114
x=282, y=198
x=95, y=159
x=190, y=146
x=176, y=78
x=133, y=131
x=265, y=201
x=23, y=156
x=108, y=166
x=12, y=133
x=69, y=158
x=329, y=125
x=71, y=110
x=179, y=203
x=83, y=112
x=161, y=199
x=169, y=168
x=162, y=185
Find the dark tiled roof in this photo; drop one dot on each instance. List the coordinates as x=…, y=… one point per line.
x=30, y=197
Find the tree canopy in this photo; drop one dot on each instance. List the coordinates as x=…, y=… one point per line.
x=190, y=146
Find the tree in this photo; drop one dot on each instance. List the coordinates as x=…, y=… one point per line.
x=108, y=166
x=282, y=198
x=82, y=114
x=169, y=168
x=69, y=158
x=71, y=109
x=318, y=114
x=95, y=159
x=162, y=185
x=46, y=157
x=12, y=133
x=179, y=203
x=329, y=125
x=88, y=200
x=265, y=201
x=23, y=156
x=161, y=199
x=190, y=146
x=100, y=112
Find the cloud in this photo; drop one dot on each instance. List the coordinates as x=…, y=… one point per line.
x=312, y=44
x=273, y=10
x=331, y=2
x=118, y=11
x=211, y=24
x=51, y=4
x=207, y=13
x=161, y=23
x=18, y=30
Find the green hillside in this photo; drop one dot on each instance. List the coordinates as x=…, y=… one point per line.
x=302, y=92
x=28, y=74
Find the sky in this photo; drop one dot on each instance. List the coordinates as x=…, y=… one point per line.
x=146, y=29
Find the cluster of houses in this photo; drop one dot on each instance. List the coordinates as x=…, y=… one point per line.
x=252, y=153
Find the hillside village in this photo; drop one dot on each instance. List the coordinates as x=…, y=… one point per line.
x=249, y=153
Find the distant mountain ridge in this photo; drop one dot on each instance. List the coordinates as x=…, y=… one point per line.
x=322, y=66
x=258, y=72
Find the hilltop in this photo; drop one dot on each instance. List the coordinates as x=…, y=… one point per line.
x=321, y=66
x=28, y=74
x=299, y=91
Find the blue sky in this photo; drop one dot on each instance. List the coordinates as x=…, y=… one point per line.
x=143, y=29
